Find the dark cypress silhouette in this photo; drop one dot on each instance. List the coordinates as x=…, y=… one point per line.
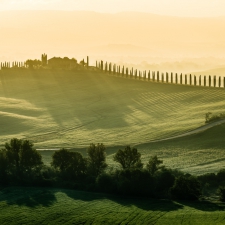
x=219, y=82
x=163, y=77
x=167, y=77
x=195, y=80
x=190, y=80
x=153, y=75
x=171, y=78
x=149, y=75
x=214, y=82
x=176, y=78
x=204, y=81
x=181, y=79
x=157, y=76
x=209, y=81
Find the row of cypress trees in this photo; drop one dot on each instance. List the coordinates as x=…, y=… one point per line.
x=113, y=69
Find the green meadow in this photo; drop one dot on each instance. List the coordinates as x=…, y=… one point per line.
x=60, y=206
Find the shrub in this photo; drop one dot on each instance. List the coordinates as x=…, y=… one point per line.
x=209, y=178
x=106, y=183
x=221, y=192
x=221, y=176
x=186, y=188
x=164, y=180
x=135, y=182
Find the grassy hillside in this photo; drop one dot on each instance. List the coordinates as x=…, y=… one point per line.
x=72, y=109
x=58, y=206
x=196, y=154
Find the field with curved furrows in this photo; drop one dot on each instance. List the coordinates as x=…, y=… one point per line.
x=75, y=108
x=59, y=206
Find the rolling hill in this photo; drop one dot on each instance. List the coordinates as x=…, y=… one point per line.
x=72, y=109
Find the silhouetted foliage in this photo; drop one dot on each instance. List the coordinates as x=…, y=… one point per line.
x=221, y=176
x=106, y=183
x=3, y=167
x=186, y=188
x=164, y=180
x=22, y=157
x=33, y=63
x=221, y=192
x=153, y=164
x=209, y=179
x=128, y=158
x=72, y=165
x=135, y=182
x=96, y=159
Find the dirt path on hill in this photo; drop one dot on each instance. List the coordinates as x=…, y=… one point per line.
x=195, y=131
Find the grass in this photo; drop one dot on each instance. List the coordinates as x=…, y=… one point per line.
x=72, y=109
x=59, y=206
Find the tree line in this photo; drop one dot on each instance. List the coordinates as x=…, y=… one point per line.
x=21, y=164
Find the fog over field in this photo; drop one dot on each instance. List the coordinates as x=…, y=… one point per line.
x=142, y=40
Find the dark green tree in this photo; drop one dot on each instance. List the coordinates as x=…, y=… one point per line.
x=72, y=165
x=128, y=158
x=22, y=157
x=3, y=167
x=153, y=165
x=186, y=188
x=96, y=159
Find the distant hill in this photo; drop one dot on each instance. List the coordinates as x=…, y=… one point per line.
x=216, y=71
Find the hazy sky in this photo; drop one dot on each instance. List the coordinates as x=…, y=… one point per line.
x=196, y=8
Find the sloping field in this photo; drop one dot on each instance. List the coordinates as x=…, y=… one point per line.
x=56, y=206
x=73, y=109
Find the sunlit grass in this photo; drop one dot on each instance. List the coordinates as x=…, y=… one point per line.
x=73, y=109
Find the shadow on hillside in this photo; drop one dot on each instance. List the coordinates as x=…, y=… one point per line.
x=141, y=203
x=205, y=206
x=30, y=197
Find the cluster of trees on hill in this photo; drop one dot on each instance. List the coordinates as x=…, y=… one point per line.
x=21, y=164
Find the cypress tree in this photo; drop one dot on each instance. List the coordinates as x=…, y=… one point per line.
x=223, y=82
x=162, y=77
x=157, y=76
x=200, y=81
x=204, y=81
x=214, y=81
x=185, y=79
x=219, y=82
x=195, y=81
x=167, y=77
x=87, y=61
x=149, y=75
x=176, y=78
x=123, y=71
x=171, y=78
x=181, y=78
x=190, y=79
x=209, y=81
